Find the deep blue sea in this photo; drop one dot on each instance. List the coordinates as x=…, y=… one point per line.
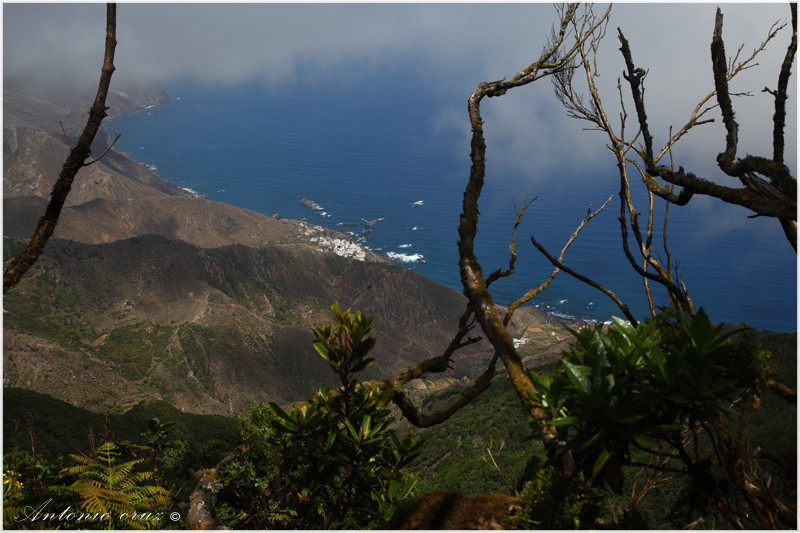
x=364, y=156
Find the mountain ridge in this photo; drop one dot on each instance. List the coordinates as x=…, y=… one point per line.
x=146, y=292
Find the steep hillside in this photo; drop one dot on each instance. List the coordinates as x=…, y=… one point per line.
x=32, y=161
x=34, y=146
x=59, y=428
x=210, y=329
x=148, y=293
x=34, y=104
x=196, y=221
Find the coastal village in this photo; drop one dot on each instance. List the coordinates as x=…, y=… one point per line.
x=338, y=245
x=341, y=245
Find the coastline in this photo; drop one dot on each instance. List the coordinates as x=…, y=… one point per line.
x=342, y=243
x=276, y=180
x=351, y=242
x=131, y=100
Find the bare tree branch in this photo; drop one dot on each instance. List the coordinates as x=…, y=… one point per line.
x=18, y=266
x=66, y=137
x=559, y=264
x=535, y=291
x=552, y=60
x=784, y=208
x=619, y=146
x=677, y=294
x=471, y=272
x=512, y=248
x=424, y=420
x=108, y=149
x=439, y=363
x=779, y=119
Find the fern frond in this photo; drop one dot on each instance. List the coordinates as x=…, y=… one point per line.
x=81, y=484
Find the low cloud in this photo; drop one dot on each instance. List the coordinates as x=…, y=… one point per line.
x=442, y=48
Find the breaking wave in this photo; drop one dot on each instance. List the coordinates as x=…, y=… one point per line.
x=405, y=258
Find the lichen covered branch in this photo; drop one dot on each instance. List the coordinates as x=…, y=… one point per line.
x=782, y=207
x=439, y=363
x=552, y=60
x=424, y=420
x=779, y=119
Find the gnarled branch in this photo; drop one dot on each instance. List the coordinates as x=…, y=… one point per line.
x=424, y=420
x=551, y=61
x=439, y=363
x=784, y=208
x=779, y=119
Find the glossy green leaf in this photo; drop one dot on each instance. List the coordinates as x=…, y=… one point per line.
x=644, y=441
x=393, y=489
x=590, y=442
x=600, y=462
x=577, y=377
x=353, y=432
x=564, y=421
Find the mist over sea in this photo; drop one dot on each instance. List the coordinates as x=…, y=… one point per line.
x=383, y=154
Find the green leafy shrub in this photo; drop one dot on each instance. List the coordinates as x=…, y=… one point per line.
x=342, y=464
x=671, y=390
x=553, y=502
x=481, y=449
x=248, y=498
x=332, y=462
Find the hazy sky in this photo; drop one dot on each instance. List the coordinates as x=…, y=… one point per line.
x=444, y=49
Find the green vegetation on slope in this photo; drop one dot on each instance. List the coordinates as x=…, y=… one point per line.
x=141, y=314
x=60, y=428
x=480, y=450
x=456, y=454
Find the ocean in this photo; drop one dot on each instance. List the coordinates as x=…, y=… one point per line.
x=362, y=156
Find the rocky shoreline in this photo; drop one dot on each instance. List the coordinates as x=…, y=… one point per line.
x=345, y=244
x=328, y=240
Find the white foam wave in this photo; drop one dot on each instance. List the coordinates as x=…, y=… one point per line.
x=405, y=258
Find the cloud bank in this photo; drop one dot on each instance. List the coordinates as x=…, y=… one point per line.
x=445, y=49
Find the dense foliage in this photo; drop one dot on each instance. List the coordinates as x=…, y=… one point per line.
x=58, y=428
x=652, y=415
x=42, y=480
x=117, y=493
x=482, y=449
x=108, y=488
x=668, y=396
x=333, y=461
